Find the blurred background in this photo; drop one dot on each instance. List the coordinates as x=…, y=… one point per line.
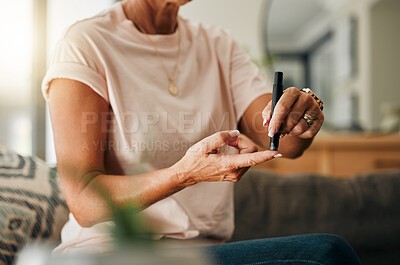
x=347, y=51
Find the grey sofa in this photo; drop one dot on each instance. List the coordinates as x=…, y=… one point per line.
x=364, y=210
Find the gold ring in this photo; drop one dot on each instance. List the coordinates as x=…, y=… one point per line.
x=308, y=119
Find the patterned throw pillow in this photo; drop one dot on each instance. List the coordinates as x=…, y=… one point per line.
x=32, y=206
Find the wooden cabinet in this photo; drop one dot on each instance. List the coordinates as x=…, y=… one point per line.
x=343, y=155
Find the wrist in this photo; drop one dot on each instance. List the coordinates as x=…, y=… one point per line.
x=181, y=176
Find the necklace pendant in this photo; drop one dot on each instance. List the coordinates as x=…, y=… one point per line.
x=173, y=90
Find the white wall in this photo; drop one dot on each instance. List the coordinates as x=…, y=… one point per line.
x=243, y=18
x=61, y=14
x=385, y=58
x=361, y=83
x=16, y=38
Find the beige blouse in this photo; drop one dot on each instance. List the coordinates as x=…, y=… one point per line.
x=149, y=128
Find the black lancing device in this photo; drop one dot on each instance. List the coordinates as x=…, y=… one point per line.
x=276, y=95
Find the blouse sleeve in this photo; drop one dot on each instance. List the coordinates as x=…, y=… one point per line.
x=246, y=82
x=72, y=62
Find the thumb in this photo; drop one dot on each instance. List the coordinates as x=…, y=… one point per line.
x=217, y=140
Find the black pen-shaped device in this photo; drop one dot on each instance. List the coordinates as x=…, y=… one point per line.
x=276, y=95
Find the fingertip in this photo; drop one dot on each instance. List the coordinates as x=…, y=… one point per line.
x=234, y=133
x=265, y=122
x=271, y=153
x=272, y=132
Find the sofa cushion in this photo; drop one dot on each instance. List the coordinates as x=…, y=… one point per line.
x=32, y=207
x=363, y=209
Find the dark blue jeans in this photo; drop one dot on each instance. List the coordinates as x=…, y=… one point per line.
x=313, y=249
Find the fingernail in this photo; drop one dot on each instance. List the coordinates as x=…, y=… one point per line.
x=265, y=122
x=271, y=132
x=234, y=133
x=278, y=156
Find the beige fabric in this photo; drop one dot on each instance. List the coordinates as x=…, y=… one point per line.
x=149, y=128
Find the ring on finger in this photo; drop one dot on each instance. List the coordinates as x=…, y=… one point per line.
x=309, y=119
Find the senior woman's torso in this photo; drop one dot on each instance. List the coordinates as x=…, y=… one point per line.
x=149, y=128
x=152, y=129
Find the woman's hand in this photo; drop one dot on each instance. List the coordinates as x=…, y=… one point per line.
x=203, y=162
x=289, y=112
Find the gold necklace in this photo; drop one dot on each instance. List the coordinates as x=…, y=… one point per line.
x=173, y=90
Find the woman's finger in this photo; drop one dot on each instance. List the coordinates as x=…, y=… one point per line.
x=243, y=144
x=282, y=109
x=214, y=141
x=266, y=114
x=299, y=128
x=246, y=146
x=252, y=159
x=302, y=126
x=314, y=128
x=300, y=107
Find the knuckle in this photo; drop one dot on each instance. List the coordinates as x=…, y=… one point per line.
x=220, y=137
x=221, y=172
x=315, y=111
x=293, y=90
x=308, y=99
x=284, y=108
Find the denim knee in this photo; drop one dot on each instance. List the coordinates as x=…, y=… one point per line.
x=334, y=249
